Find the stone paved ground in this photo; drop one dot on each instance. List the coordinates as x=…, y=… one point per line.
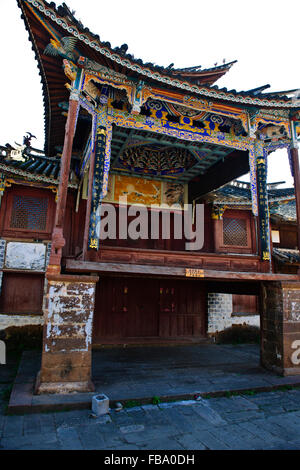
x=269, y=420
x=178, y=371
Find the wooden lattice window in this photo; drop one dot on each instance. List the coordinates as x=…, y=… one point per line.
x=235, y=232
x=29, y=213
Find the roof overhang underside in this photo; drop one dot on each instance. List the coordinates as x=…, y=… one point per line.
x=201, y=156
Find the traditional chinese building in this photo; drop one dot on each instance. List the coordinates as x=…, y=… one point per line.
x=123, y=132
x=231, y=210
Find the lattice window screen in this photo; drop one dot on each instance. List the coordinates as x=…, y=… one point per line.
x=235, y=232
x=29, y=213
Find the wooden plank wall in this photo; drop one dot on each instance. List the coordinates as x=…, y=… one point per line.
x=143, y=308
x=22, y=293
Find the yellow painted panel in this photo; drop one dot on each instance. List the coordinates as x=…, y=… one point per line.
x=137, y=190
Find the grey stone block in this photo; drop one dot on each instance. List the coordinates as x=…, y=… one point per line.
x=91, y=437
x=190, y=442
x=13, y=426
x=211, y=442
x=68, y=439
x=132, y=428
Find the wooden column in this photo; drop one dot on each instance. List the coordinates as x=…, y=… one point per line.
x=263, y=206
x=96, y=188
x=295, y=163
x=88, y=204
x=58, y=240
x=217, y=215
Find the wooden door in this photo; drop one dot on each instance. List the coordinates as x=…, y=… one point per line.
x=110, y=309
x=182, y=309
x=131, y=308
x=144, y=298
x=126, y=308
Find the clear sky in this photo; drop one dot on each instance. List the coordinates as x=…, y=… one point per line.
x=263, y=35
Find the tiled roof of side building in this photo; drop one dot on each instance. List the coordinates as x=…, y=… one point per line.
x=285, y=255
x=284, y=210
x=282, y=203
x=29, y=166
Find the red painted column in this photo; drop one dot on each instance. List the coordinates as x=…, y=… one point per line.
x=58, y=240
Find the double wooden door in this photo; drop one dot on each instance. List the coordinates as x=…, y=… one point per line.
x=135, y=308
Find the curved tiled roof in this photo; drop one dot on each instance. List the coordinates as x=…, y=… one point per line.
x=53, y=78
x=63, y=17
x=285, y=211
x=218, y=70
x=30, y=166
x=285, y=255
x=282, y=202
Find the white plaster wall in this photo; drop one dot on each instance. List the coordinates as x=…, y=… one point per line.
x=25, y=256
x=220, y=314
x=7, y=321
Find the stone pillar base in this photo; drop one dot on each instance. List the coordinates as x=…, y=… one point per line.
x=67, y=355
x=62, y=387
x=280, y=327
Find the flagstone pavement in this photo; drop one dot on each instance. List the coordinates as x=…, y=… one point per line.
x=239, y=421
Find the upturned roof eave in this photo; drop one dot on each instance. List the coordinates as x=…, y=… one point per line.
x=156, y=73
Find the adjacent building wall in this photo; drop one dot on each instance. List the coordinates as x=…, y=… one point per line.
x=25, y=257
x=220, y=314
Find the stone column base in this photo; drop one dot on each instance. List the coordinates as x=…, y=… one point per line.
x=68, y=319
x=62, y=387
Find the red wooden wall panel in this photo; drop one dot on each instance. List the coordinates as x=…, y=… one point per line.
x=144, y=308
x=245, y=304
x=22, y=293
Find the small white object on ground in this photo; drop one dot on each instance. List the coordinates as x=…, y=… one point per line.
x=100, y=404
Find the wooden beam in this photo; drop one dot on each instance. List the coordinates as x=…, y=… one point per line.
x=121, y=134
x=122, y=147
x=170, y=143
x=172, y=271
x=233, y=166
